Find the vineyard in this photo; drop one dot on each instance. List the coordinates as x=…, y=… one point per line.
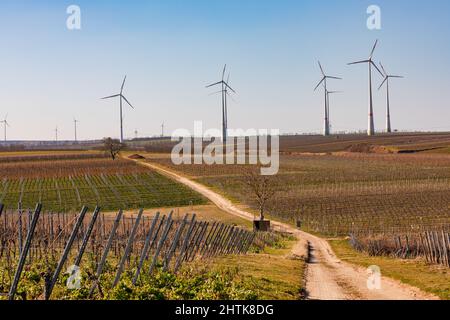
x=389, y=203
x=43, y=254
x=65, y=182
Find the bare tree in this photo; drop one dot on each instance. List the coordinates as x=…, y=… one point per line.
x=113, y=147
x=263, y=187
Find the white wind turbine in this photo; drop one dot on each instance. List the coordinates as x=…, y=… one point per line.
x=388, y=108
x=75, y=123
x=326, y=130
x=371, y=126
x=224, y=90
x=122, y=97
x=5, y=124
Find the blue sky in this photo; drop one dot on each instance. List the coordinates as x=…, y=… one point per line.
x=171, y=49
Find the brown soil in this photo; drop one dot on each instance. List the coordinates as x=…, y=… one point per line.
x=136, y=157
x=368, y=148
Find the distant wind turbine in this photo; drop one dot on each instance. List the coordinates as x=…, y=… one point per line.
x=122, y=97
x=75, y=122
x=371, y=125
x=388, y=108
x=224, y=92
x=5, y=124
x=56, y=134
x=326, y=126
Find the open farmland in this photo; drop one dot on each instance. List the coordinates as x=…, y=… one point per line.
x=65, y=182
x=395, y=143
x=336, y=194
x=393, y=204
x=298, y=144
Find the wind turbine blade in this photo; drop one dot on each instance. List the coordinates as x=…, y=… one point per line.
x=127, y=101
x=321, y=69
x=217, y=92
x=382, y=68
x=231, y=97
x=223, y=74
x=373, y=50
x=214, y=84
x=123, y=84
x=401, y=77
x=358, y=62
x=116, y=95
x=229, y=87
x=330, y=77
x=376, y=67
x=323, y=79
x=385, y=79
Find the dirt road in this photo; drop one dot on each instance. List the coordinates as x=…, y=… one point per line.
x=327, y=278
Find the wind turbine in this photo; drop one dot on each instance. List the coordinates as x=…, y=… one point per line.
x=388, y=110
x=328, y=105
x=371, y=126
x=224, y=92
x=75, y=122
x=5, y=124
x=122, y=97
x=162, y=130
x=56, y=134
x=326, y=126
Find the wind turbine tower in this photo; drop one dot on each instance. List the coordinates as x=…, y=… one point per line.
x=371, y=125
x=5, y=124
x=122, y=98
x=326, y=124
x=75, y=122
x=224, y=85
x=328, y=93
x=388, y=108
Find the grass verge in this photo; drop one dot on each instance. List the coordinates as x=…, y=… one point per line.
x=417, y=273
x=270, y=275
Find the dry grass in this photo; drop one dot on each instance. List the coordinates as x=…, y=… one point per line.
x=417, y=273
x=272, y=274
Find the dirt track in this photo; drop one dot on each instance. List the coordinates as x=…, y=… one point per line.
x=327, y=278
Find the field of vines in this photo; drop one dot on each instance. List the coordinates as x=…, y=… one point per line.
x=376, y=197
x=64, y=182
x=93, y=255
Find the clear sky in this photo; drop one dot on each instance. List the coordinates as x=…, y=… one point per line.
x=170, y=49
